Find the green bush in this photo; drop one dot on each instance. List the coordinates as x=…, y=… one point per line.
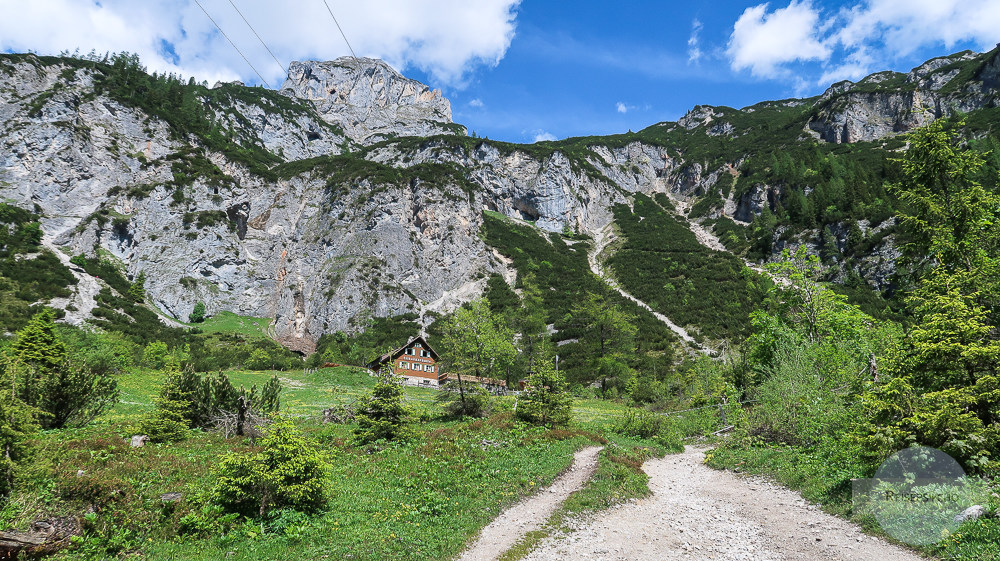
x=381, y=414
x=165, y=423
x=259, y=360
x=287, y=473
x=640, y=423
x=546, y=402
x=197, y=315
x=66, y=390
x=203, y=398
x=475, y=404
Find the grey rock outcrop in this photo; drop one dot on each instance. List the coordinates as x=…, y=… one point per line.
x=370, y=100
x=888, y=103
x=319, y=243
x=311, y=254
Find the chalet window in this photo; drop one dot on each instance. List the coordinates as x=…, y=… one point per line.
x=424, y=353
x=409, y=351
x=416, y=366
x=429, y=368
x=404, y=364
x=417, y=345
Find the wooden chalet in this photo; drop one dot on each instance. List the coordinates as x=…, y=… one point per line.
x=416, y=362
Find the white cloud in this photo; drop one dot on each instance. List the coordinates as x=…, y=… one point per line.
x=762, y=41
x=478, y=103
x=621, y=107
x=541, y=135
x=446, y=38
x=903, y=26
x=857, y=40
x=694, y=51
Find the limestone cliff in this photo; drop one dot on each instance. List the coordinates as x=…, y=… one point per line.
x=351, y=193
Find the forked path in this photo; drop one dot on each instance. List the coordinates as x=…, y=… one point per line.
x=698, y=513
x=531, y=513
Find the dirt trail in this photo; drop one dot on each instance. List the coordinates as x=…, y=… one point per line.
x=697, y=513
x=603, y=239
x=531, y=513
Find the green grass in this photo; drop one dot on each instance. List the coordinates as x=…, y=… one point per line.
x=228, y=322
x=304, y=392
x=419, y=499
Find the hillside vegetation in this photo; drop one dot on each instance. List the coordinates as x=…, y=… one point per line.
x=873, y=330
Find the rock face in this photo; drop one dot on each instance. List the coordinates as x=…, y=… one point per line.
x=888, y=103
x=346, y=228
x=369, y=100
x=306, y=247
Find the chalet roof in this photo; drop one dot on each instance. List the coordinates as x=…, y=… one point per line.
x=393, y=355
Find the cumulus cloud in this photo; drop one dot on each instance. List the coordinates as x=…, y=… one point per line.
x=762, y=41
x=877, y=31
x=694, y=51
x=446, y=38
x=856, y=40
x=621, y=107
x=478, y=103
x=541, y=135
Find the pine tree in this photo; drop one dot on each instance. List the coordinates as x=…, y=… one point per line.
x=37, y=344
x=546, y=401
x=18, y=421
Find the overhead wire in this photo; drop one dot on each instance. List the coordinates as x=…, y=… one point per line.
x=233, y=44
x=282, y=66
x=342, y=34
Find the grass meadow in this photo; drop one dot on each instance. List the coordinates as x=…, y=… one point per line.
x=423, y=498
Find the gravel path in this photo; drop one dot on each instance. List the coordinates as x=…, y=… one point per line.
x=697, y=513
x=531, y=513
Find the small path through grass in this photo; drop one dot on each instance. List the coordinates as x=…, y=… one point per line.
x=531, y=513
x=697, y=513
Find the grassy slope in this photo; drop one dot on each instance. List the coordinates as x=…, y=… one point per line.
x=661, y=263
x=416, y=500
x=561, y=270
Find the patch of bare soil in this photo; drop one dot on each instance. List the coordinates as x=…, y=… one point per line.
x=531, y=513
x=697, y=513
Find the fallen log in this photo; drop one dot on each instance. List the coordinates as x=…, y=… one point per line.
x=45, y=537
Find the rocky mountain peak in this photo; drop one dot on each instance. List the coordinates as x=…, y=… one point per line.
x=369, y=99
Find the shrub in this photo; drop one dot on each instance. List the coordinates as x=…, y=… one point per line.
x=546, y=402
x=197, y=315
x=154, y=355
x=166, y=423
x=381, y=414
x=640, y=423
x=202, y=399
x=66, y=390
x=475, y=404
x=259, y=360
x=286, y=473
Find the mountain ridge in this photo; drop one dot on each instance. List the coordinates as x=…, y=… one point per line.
x=315, y=212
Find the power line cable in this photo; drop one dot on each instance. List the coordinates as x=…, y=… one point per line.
x=341, y=29
x=233, y=44
x=282, y=66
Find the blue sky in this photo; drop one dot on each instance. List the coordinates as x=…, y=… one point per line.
x=527, y=70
